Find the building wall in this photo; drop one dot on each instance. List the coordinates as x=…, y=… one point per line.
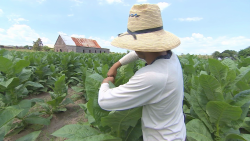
x=71, y=48
x=60, y=45
x=91, y=50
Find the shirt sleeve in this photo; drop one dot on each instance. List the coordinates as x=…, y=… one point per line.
x=140, y=90
x=128, y=58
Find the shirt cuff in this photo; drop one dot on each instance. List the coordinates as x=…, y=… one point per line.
x=104, y=87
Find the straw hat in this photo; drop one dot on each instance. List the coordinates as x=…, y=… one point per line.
x=145, y=31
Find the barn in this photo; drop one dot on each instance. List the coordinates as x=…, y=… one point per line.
x=66, y=43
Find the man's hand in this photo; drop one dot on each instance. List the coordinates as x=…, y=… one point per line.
x=106, y=80
x=113, y=70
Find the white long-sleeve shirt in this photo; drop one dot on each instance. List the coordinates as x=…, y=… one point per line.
x=157, y=87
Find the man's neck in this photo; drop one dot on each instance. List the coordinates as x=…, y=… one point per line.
x=151, y=56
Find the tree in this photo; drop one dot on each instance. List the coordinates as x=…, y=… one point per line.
x=27, y=47
x=46, y=48
x=37, y=45
x=245, y=52
x=216, y=54
x=230, y=54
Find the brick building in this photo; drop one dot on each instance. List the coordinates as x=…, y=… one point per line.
x=66, y=43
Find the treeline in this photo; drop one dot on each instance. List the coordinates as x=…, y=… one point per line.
x=232, y=54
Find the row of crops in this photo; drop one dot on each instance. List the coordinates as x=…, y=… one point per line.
x=216, y=103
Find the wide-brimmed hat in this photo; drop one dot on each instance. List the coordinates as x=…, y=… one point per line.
x=145, y=31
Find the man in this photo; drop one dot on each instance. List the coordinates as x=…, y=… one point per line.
x=158, y=86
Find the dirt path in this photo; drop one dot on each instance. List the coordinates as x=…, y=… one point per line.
x=73, y=115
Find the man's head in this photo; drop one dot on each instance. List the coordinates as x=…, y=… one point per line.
x=145, y=31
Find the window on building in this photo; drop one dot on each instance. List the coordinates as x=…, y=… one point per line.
x=100, y=51
x=95, y=51
x=89, y=51
x=83, y=51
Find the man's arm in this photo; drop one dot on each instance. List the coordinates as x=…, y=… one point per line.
x=128, y=58
x=142, y=89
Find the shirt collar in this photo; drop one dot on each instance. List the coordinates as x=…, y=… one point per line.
x=167, y=56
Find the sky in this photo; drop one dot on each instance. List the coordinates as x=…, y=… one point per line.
x=203, y=26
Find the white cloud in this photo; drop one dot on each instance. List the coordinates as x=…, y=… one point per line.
x=197, y=35
x=2, y=30
x=19, y=20
x=199, y=44
x=78, y=36
x=20, y=35
x=70, y=15
x=112, y=38
x=62, y=33
x=78, y=2
x=163, y=5
x=114, y=1
x=40, y=1
x=190, y=19
x=142, y=0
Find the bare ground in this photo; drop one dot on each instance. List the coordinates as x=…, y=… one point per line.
x=73, y=115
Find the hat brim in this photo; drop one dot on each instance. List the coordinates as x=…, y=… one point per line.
x=157, y=41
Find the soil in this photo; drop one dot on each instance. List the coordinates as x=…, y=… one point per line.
x=73, y=115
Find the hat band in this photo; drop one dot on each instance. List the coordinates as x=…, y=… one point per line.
x=144, y=31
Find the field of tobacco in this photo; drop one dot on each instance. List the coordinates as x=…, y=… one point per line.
x=216, y=102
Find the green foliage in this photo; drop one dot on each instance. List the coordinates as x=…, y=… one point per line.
x=30, y=137
x=57, y=102
x=46, y=48
x=36, y=45
x=245, y=52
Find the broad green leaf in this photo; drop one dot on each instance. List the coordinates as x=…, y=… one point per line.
x=134, y=133
x=242, y=76
x=122, y=120
x=235, y=137
x=92, y=86
x=33, y=84
x=67, y=101
x=11, y=83
x=60, y=86
x=222, y=112
x=98, y=112
x=56, y=101
x=199, y=110
x=18, y=66
x=242, y=85
x=30, y=137
x=25, y=105
x=4, y=130
x=217, y=69
x=97, y=77
x=189, y=69
x=8, y=114
x=77, y=89
x=6, y=64
x=37, y=120
x=25, y=75
x=211, y=87
x=198, y=131
x=230, y=63
x=76, y=131
x=239, y=123
x=100, y=137
x=105, y=69
x=241, y=98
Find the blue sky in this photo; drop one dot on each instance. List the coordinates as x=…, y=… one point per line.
x=204, y=26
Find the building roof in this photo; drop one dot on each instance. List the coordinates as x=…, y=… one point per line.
x=73, y=41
